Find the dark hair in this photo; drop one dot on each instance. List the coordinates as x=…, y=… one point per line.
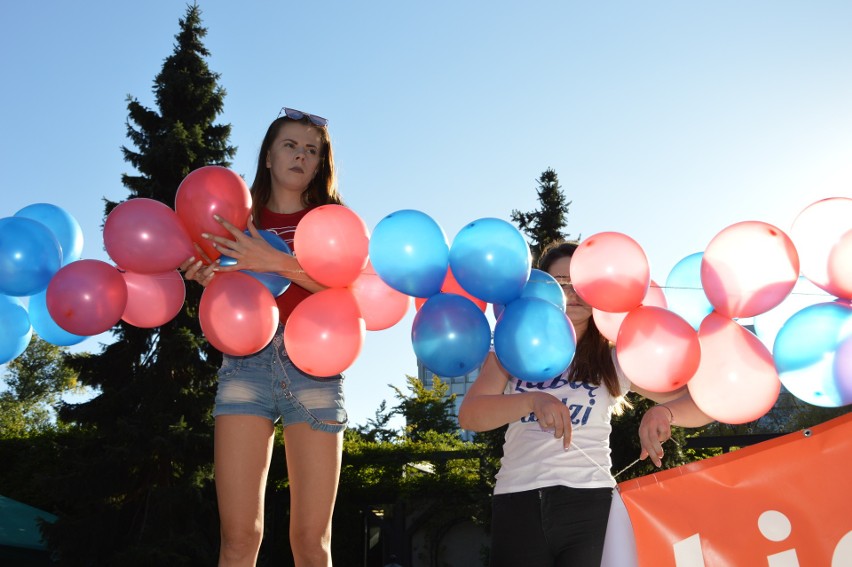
x=592, y=362
x=322, y=189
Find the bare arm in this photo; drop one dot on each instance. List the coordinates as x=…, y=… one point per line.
x=485, y=407
x=252, y=252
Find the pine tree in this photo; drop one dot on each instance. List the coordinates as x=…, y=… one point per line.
x=544, y=225
x=138, y=484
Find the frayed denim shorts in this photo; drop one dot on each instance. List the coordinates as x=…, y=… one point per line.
x=268, y=384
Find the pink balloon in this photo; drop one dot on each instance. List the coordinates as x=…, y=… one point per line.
x=207, y=191
x=609, y=270
x=736, y=380
x=146, y=236
x=332, y=244
x=840, y=267
x=153, y=299
x=238, y=315
x=325, y=332
x=86, y=297
x=381, y=306
x=609, y=323
x=816, y=231
x=749, y=268
x=657, y=349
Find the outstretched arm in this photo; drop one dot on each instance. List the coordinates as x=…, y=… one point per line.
x=485, y=407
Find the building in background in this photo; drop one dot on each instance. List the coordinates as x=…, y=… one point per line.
x=458, y=385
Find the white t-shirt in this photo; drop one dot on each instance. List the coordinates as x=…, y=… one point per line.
x=533, y=458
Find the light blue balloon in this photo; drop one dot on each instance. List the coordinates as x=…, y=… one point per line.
x=15, y=329
x=491, y=260
x=44, y=325
x=409, y=252
x=684, y=292
x=534, y=340
x=64, y=227
x=29, y=256
x=450, y=335
x=805, y=349
x=541, y=285
x=274, y=282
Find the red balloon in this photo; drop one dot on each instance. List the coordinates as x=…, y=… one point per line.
x=153, y=299
x=736, y=381
x=86, y=297
x=325, y=333
x=609, y=323
x=749, y=268
x=238, y=315
x=207, y=191
x=381, y=306
x=332, y=243
x=657, y=349
x=450, y=285
x=610, y=271
x=146, y=236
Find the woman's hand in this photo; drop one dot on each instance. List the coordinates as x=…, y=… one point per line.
x=551, y=413
x=250, y=251
x=654, y=430
x=197, y=270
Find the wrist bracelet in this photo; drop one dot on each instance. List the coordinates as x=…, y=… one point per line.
x=671, y=415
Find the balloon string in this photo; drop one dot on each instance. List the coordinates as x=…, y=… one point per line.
x=605, y=471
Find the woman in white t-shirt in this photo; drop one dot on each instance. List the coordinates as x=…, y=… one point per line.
x=554, y=488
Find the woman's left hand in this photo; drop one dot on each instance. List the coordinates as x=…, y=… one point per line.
x=250, y=251
x=654, y=430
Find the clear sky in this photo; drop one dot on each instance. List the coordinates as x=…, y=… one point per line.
x=666, y=121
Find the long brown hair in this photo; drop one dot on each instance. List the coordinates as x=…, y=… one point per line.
x=592, y=362
x=322, y=189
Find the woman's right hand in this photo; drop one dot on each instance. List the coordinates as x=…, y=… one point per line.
x=551, y=413
x=197, y=270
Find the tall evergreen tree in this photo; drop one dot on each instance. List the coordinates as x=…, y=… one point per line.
x=138, y=483
x=544, y=225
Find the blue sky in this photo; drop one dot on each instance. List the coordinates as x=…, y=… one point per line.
x=666, y=121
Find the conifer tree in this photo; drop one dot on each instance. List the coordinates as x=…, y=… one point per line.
x=545, y=225
x=138, y=483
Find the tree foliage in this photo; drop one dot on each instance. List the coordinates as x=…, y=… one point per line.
x=137, y=486
x=545, y=224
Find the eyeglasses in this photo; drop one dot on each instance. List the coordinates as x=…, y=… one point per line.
x=294, y=114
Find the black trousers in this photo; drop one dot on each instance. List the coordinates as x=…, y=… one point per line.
x=555, y=526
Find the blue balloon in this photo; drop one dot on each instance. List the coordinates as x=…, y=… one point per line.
x=541, y=285
x=684, y=292
x=805, y=349
x=274, y=282
x=534, y=340
x=450, y=335
x=29, y=256
x=409, y=252
x=15, y=329
x=64, y=227
x=44, y=325
x=491, y=260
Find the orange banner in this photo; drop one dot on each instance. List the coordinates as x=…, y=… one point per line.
x=782, y=503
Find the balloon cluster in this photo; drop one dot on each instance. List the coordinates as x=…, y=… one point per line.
x=796, y=290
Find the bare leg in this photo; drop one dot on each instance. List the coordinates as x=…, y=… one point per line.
x=242, y=449
x=313, y=466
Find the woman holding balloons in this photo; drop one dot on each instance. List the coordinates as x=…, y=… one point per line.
x=554, y=489
x=295, y=174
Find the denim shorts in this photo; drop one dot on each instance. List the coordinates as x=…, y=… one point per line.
x=268, y=384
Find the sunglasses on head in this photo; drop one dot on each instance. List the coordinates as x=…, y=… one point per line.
x=294, y=114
